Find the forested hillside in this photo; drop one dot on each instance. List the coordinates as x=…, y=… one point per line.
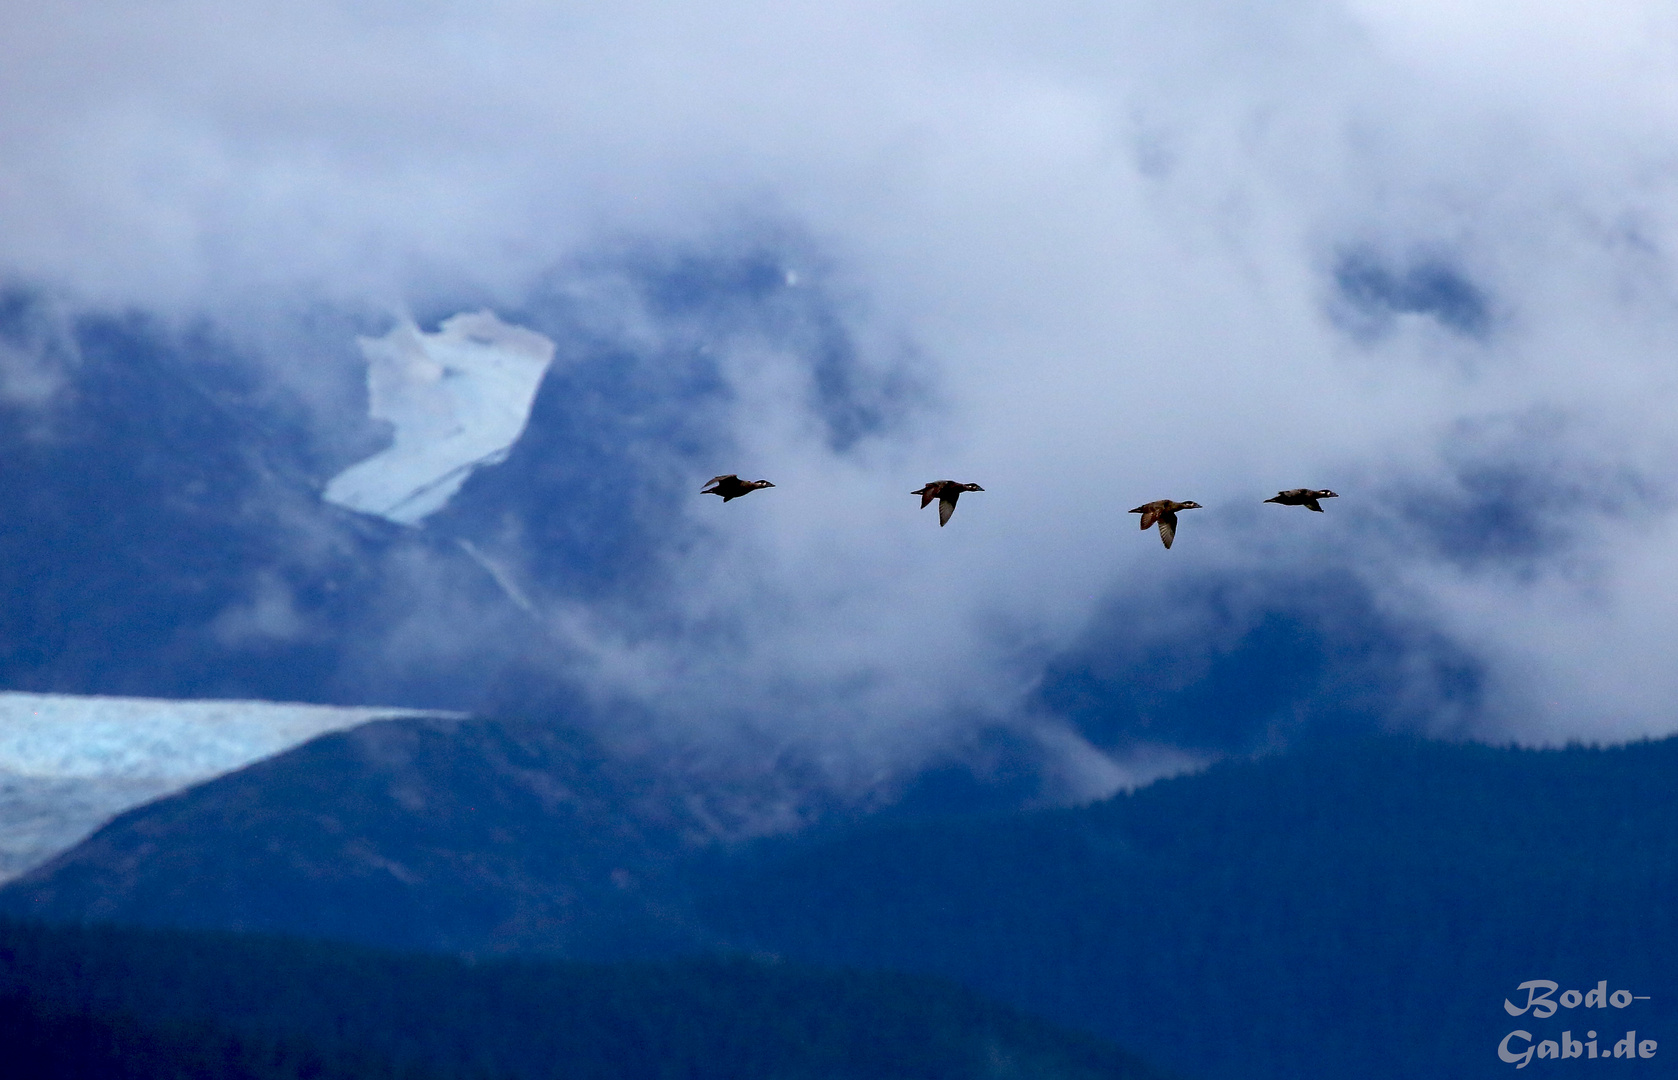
x=150, y=1005
x=1354, y=910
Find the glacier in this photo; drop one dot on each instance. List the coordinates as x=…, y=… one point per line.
x=70, y=763
x=457, y=399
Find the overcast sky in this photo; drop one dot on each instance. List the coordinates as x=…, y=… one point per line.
x=1084, y=254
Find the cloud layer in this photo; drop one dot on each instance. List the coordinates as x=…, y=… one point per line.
x=1086, y=255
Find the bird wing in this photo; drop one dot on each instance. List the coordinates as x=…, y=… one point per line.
x=927, y=494
x=1167, y=528
x=1314, y=505
x=1150, y=514
x=946, y=507
x=716, y=481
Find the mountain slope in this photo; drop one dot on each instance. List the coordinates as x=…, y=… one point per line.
x=460, y=836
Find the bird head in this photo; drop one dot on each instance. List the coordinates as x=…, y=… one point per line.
x=971, y=487
x=1189, y=506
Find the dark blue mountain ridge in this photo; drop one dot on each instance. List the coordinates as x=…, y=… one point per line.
x=1356, y=907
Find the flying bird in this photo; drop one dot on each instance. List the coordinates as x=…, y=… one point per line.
x=1302, y=497
x=946, y=492
x=730, y=486
x=1163, y=511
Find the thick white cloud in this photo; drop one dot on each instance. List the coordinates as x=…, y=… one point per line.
x=1114, y=232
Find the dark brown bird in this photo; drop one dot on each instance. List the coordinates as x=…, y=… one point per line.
x=1302, y=497
x=946, y=492
x=730, y=486
x=1163, y=511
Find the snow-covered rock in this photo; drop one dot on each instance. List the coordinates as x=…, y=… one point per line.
x=68, y=764
x=457, y=399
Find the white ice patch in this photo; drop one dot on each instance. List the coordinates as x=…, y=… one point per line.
x=68, y=764
x=458, y=399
